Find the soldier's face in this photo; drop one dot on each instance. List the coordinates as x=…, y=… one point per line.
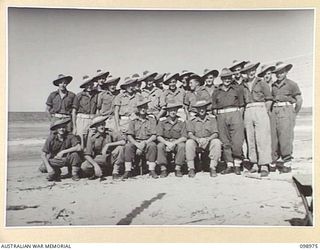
x=237, y=73
x=149, y=83
x=160, y=85
x=101, y=127
x=209, y=80
x=173, y=84
x=193, y=83
x=143, y=109
x=62, y=85
x=89, y=87
x=129, y=88
x=281, y=74
x=267, y=76
x=137, y=86
x=226, y=80
x=101, y=81
x=184, y=81
x=112, y=87
x=173, y=112
x=202, y=110
x=62, y=130
x=251, y=74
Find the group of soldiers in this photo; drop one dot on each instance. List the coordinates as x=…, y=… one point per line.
x=247, y=120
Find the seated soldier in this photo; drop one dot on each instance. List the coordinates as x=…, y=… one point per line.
x=203, y=133
x=103, y=150
x=61, y=149
x=172, y=135
x=141, y=136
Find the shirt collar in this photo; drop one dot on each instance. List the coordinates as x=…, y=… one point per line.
x=279, y=84
x=207, y=118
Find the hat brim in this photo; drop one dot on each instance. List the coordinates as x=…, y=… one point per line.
x=151, y=75
x=83, y=85
x=112, y=81
x=287, y=67
x=68, y=78
x=251, y=67
x=201, y=105
x=175, y=76
x=62, y=123
x=214, y=72
x=127, y=83
x=185, y=74
x=101, y=75
x=142, y=103
x=177, y=106
x=197, y=77
x=228, y=75
x=241, y=64
x=99, y=121
x=270, y=68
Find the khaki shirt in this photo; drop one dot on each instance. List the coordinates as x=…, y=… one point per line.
x=202, y=128
x=154, y=97
x=285, y=91
x=97, y=141
x=169, y=96
x=53, y=145
x=210, y=89
x=193, y=96
x=260, y=92
x=105, y=102
x=58, y=105
x=172, y=130
x=86, y=104
x=126, y=103
x=142, y=129
x=232, y=97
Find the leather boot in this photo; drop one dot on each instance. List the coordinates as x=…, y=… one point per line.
x=213, y=172
x=125, y=175
x=237, y=170
x=153, y=174
x=163, y=173
x=178, y=173
x=191, y=173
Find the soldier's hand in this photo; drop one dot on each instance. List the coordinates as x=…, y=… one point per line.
x=97, y=170
x=139, y=152
x=59, y=155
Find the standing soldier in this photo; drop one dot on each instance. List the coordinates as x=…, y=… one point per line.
x=85, y=106
x=266, y=75
x=158, y=81
x=258, y=100
x=141, y=136
x=285, y=93
x=203, y=134
x=171, y=135
x=226, y=103
x=60, y=102
x=104, y=149
x=183, y=78
x=172, y=94
x=208, y=78
x=137, y=84
x=152, y=93
x=105, y=105
x=125, y=105
x=197, y=92
x=61, y=149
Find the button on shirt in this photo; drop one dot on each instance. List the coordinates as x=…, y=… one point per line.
x=193, y=96
x=202, y=128
x=105, y=102
x=86, y=104
x=169, y=129
x=126, y=103
x=154, y=97
x=285, y=91
x=259, y=92
x=61, y=105
x=97, y=141
x=53, y=145
x=142, y=129
x=232, y=97
x=169, y=96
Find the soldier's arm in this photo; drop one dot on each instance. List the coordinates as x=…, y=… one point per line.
x=48, y=112
x=112, y=144
x=298, y=103
x=75, y=148
x=95, y=165
x=74, y=118
x=193, y=137
x=180, y=140
x=151, y=138
x=44, y=157
x=162, y=140
x=116, y=117
x=213, y=136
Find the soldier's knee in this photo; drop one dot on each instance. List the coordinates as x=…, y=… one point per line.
x=152, y=145
x=215, y=142
x=161, y=146
x=181, y=146
x=190, y=143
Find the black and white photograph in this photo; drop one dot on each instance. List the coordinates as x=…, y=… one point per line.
x=159, y=117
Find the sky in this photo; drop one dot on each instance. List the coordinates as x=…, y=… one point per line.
x=43, y=43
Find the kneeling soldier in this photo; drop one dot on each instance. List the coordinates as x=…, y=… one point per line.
x=203, y=133
x=61, y=149
x=141, y=135
x=103, y=149
x=171, y=134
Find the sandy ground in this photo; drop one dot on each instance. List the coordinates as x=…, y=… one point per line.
x=225, y=200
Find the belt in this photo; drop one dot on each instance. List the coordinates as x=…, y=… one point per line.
x=61, y=115
x=123, y=117
x=255, y=104
x=227, y=110
x=282, y=104
x=86, y=116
